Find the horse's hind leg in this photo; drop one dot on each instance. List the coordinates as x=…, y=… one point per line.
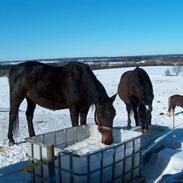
x=29, y=114
x=171, y=106
x=134, y=101
x=171, y=110
x=83, y=115
x=136, y=116
x=13, y=117
x=128, y=108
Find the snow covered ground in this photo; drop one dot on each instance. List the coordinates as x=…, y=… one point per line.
x=48, y=120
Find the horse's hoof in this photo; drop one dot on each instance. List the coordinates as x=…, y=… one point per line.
x=11, y=143
x=144, y=131
x=128, y=127
x=168, y=114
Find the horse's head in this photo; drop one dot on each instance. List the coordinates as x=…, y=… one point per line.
x=104, y=116
x=145, y=113
x=148, y=105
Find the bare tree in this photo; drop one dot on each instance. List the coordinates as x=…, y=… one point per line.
x=177, y=70
x=167, y=72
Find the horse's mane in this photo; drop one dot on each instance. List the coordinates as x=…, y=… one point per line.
x=100, y=91
x=144, y=76
x=99, y=86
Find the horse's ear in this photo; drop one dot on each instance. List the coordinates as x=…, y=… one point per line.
x=113, y=97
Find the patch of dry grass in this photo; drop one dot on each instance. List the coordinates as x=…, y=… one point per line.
x=3, y=149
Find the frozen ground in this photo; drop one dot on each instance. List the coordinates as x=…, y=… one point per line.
x=47, y=120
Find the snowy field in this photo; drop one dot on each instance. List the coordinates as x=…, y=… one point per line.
x=48, y=120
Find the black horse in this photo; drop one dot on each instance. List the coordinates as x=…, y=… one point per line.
x=135, y=89
x=72, y=86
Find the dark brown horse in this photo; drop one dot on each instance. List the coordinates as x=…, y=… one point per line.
x=135, y=89
x=173, y=101
x=73, y=86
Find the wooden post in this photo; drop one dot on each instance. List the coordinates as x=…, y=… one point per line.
x=33, y=176
x=51, y=163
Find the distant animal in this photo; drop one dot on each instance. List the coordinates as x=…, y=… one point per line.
x=136, y=90
x=173, y=101
x=73, y=86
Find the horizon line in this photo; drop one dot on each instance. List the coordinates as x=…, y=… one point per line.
x=145, y=55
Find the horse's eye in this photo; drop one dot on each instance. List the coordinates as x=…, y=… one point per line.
x=100, y=129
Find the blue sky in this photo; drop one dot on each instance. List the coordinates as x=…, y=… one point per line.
x=31, y=29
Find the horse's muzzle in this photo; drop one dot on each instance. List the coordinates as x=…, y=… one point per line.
x=106, y=132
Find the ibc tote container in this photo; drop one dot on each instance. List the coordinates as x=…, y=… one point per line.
x=78, y=156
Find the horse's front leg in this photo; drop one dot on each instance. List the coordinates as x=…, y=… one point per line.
x=74, y=113
x=136, y=117
x=83, y=115
x=128, y=108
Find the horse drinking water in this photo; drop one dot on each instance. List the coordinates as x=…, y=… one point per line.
x=135, y=89
x=73, y=86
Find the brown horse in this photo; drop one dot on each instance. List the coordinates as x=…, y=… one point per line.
x=173, y=101
x=135, y=89
x=73, y=86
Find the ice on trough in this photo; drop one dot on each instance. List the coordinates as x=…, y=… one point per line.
x=93, y=142
x=83, y=147
x=82, y=157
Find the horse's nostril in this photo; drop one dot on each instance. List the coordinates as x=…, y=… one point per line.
x=106, y=142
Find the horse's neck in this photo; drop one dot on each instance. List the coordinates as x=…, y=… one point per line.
x=101, y=91
x=101, y=98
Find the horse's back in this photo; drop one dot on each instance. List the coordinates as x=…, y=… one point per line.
x=135, y=83
x=41, y=70
x=143, y=77
x=33, y=72
x=175, y=100
x=123, y=89
x=23, y=69
x=42, y=83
